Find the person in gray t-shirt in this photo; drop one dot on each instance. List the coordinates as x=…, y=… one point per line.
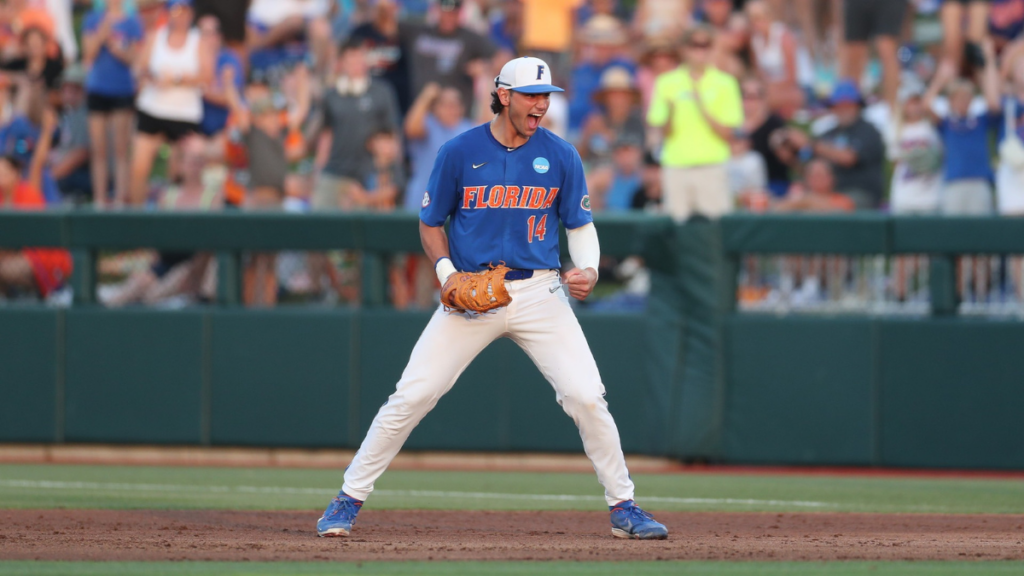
x=355, y=109
x=69, y=161
x=264, y=131
x=446, y=53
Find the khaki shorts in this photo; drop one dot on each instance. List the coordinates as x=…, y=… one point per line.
x=700, y=190
x=333, y=193
x=969, y=197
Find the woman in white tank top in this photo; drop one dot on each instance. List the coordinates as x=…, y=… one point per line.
x=780, y=61
x=171, y=69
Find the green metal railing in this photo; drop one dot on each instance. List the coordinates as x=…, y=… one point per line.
x=942, y=239
x=230, y=234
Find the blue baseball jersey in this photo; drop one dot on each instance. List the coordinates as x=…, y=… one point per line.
x=505, y=205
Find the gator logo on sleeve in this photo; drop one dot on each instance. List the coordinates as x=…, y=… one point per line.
x=585, y=203
x=426, y=199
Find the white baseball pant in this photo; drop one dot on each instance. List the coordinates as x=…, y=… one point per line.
x=541, y=321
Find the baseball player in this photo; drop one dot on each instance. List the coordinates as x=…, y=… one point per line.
x=505, y=186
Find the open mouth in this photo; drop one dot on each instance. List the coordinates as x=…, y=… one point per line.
x=533, y=120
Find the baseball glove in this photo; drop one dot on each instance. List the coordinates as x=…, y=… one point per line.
x=476, y=291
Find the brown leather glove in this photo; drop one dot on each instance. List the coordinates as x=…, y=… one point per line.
x=476, y=291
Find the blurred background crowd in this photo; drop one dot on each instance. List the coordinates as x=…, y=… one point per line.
x=693, y=108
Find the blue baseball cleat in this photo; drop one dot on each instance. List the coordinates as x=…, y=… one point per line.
x=630, y=521
x=339, y=516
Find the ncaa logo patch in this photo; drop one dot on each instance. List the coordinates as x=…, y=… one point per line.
x=585, y=203
x=426, y=199
x=541, y=165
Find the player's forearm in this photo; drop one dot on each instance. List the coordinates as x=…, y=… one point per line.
x=435, y=245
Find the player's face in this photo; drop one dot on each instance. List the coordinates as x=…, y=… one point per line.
x=526, y=111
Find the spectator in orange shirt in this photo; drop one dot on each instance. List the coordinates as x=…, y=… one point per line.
x=817, y=192
x=547, y=27
x=35, y=271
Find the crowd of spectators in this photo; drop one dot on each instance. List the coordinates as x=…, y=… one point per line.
x=693, y=108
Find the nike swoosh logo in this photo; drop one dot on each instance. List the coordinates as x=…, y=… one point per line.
x=555, y=289
x=475, y=166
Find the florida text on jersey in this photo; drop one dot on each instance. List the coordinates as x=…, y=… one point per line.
x=505, y=205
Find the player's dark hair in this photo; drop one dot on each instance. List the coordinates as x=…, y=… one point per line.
x=496, y=105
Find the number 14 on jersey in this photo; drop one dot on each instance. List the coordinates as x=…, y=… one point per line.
x=539, y=230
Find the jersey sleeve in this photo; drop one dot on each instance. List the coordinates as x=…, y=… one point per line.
x=574, y=206
x=440, y=199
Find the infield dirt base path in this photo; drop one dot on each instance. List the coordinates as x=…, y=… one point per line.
x=462, y=535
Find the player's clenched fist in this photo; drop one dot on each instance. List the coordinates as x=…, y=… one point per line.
x=580, y=282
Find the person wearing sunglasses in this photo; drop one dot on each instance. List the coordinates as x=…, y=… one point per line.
x=698, y=110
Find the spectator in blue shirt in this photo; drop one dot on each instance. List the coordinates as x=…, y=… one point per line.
x=111, y=40
x=603, y=41
x=614, y=185
x=965, y=137
x=20, y=136
x=507, y=29
x=437, y=116
x=215, y=101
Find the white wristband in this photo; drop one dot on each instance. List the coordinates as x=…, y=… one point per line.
x=444, y=269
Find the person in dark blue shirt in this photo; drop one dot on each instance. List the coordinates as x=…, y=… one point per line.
x=20, y=137
x=965, y=137
x=504, y=187
x=111, y=40
x=215, y=101
x=604, y=41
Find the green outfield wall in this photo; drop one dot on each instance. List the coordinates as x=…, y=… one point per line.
x=690, y=378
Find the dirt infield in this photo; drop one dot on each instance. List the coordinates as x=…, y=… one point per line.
x=461, y=535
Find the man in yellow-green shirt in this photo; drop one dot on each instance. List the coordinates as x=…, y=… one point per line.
x=699, y=110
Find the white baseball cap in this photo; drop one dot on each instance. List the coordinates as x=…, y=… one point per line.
x=527, y=75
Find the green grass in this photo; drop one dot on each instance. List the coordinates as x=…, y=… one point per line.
x=508, y=568
x=54, y=486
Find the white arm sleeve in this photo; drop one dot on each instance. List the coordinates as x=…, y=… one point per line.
x=584, y=248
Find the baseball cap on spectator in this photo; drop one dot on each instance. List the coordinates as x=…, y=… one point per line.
x=449, y=5
x=603, y=30
x=616, y=79
x=845, y=92
x=527, y=75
